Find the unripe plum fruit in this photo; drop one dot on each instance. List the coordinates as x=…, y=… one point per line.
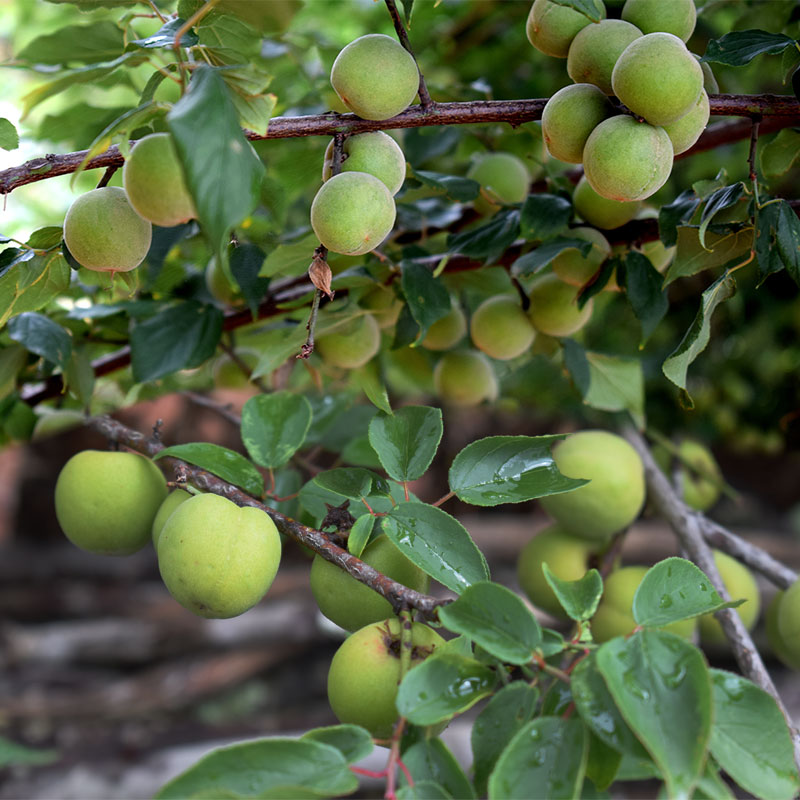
x=228, y=374
x=657, y=78
x=503, y=177
x=104, y=233
x=627, y=160
x=365, y=674
x=568, y=118
x=409, y=371
x=709, y=81
x=375, y=77
x=464, y=378
x=172, y=501
x=615, y=493
x=352, y=605
x=501, y=328
x=218, y=559
x=155, y=183
x=789, y=622
x=740, y=583
x=614, y=615
x=677, y=17
x=787, y=651
x=700, y=475
x=106, y=501
x=375, y=153
x=552, y=27
x=573, y=268
x=352, y=213
x=383, y=304
x=221, y=284
x=447, y=331
x=554, y=307
x=595, y=50
x=567, y=557
x=684, y=132
x=601, y=211
x=352, y=344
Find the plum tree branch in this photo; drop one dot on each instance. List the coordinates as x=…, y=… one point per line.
x=400, y=597
x=778, y=111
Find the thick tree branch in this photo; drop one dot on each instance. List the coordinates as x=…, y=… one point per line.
x=784, y=109
x=398, y=595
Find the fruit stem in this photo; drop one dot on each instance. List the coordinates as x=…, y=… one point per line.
x=424, y=96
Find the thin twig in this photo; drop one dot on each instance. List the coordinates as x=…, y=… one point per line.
x=176, y=42
x=751, y=158
x=107, y=175
x=230, y=351
x=224, y=410
x=424, y=96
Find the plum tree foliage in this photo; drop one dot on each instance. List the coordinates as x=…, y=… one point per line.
x=383, y=297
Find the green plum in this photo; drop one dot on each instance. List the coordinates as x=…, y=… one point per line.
x=700, y=475
x=171, y=502
x=677, y=17
x=684, y=132
x=595, y=50
x=221, y=284
x=500, y=328
x=573, y=268
x=551, y=27
x=375, y=153
x=447, y=331
x=787, y=652
x=601, y=211
x=554, y=307
x=351, y=344
x=464, y=378
x=789, y=622
x=504, y=179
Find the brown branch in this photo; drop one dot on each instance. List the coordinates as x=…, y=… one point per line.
x=784, y=109
x=687, y=525
x=400, y=597
x=427, y=104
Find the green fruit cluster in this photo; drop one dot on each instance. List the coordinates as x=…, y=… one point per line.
x=216, y=559
x=642, y=59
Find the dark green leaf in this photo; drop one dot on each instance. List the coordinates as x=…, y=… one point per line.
x=539, y=258
x=351, y=482
x=578, y=598
x=266, y=768
x=731, y=246
x=672, y=590
x=459, y=190
x=179, y=337
x=442, y=686
x=496, y=619
x=84, y=44
x=750, y=739
x=490, y=241
x=723, y=198
x=544, y=216
x=9, y=138
x=496, y=725
x=766, y=250
x=778, y=156
x=437, y=543
x=359, y=534
x=353, y=742
x=42, y=336
x=408, y=6
x=12, y=360
x=46, y=238
x=226, y=464
x=645, y=292
x=165, y=36
x=661, y=685
x=741, y=47
x=589, y=8
x=508, y=469
x=246, y=261
x=368, y=378
x=427, y=298
x=422, y=790
x=222, y=170
x=787, y=236
x=549, y=754
x=430, y=759
x=28, y=284
x=602, y=765
x=696, y=338
x=274, y=427
x=406, y=441
x=676, y=213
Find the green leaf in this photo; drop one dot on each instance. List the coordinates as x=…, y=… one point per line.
x=13, y=754
x=599, y=711
x=589, y=8
x=490, y=241
x=672, y=590
x=722, y=198
x=697, y=337
x=290, y=260
x=496, y=726
x=165, y=36
x=437, y=543
x=181, y=336
x=408, y=6
x=85, y=44
x=427, y=298
x=549, y=753
x=540, y=257
x=662, y=686
x=750, y=739
x=31, y=282
x=442, y=686
x=40, y=335
x=457, y=189
x=226, y=464
x=676, y=213
x=496, y=619
x=765, y=247
x=79, y=376
x=359, y=534
x=274, y=427
x=277, y=345
x=779, y=155
x=578, y=598
x=9, y=138
x=369, y=381
x=92, y=5
x=222, y=170
x=266, y=768
x=422, y=790
x=407, y=440
x=352, y=741
x=508, y=469
x=741, y=47
x=645, y=292
x=787, y=236
x=602, y=764
x=12, y=360
x=351, y=482
x=246, y=261
x=544, y=216
x=430, y=759
x=691, y=258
